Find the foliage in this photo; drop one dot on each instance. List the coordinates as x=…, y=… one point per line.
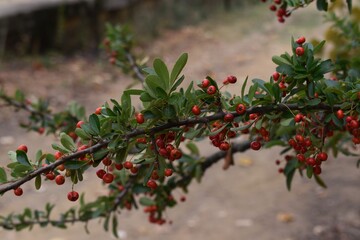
x=143, y=155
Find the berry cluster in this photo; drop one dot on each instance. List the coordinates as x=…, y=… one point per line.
x=280, y=7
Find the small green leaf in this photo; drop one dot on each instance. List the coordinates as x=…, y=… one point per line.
x=114, y=226
x=22, y=158
x=12, y=156
x=38, y=182
x=94, y=123
x=320, y=181
x=349, y=3
x=198, y=173
x=82, y=134
x=75, y=164
x=145, y=201
x=322, y=5
x=60, y=148
x=243, y=87
x=289, y=178
x=67, y=141
x=178, y=67
x=319, y=47
x=280, y=61
x=313, y=102
x=287, y=122
x=169, y=112
x=145, y=97
x=3, y=177
x=309, y=171
x=193, y=148
x=162, y=71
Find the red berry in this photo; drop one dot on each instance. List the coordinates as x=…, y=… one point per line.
x=128, y=165
x=211, y=90
x=60, y=179
x=73, y=196
x=340, y=114
x=151, y=184
x=118, y=166
x=231, y=79
x=205, y=83
x=300, y=40
x=168, y=172
x=18, y=191
x=134, y=170
x=163, y=152
x=100, y=173
x=78, y=125
x=277, y=1
x=175, y=154
x=354, y=124
x=317, y=170
x=182, y=198
x=196, y=110
x=299, y=138
x=299, y=51
x=22, y=147
x=301, y=157
x=58, y=155
x=41, y=130
x=272, y=8
x=226, y=81
x=298, y=117
x=108, y=178
x=276, y=76
x=50, y=176
x=241, y=109
x=281, y=19
x=228, y=117
x=98, y=111
x=255, y=145
x=322, y=156
x=224, y=146
x=107, y=161
x=311, y=161
x=140, y=118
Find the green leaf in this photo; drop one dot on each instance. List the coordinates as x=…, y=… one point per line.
x=151, y=83
x=12, y=156
x=82, y=134
x=313, y=102
x=134, y=91
x=38, y=182
x=148, y=173
x=320, y=181
x=75, y=164
x=322, y=5
x=114, y=226
x=99, y=155
x=67, y=141
x=162, y=166
x=94, y=123
x=178, y=67
x=289, y=178
x=309, y=171
x=60, y=148
x=177, y=83
x=349, y=3
x=193, y=148
x=280, y=61
x=22, y=158
x=163, y=73
x=287, y=122
x=198, y=173
x=145, y=201
x=243, y=87
x=146, y=97
x=319, y=47
x=3, y=177
x=169, y=112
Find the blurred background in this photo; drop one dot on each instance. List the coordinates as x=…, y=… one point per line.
x=50, y=49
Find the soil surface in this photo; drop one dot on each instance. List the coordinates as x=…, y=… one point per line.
x=249, y=200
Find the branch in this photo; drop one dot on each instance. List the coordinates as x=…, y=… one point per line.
x=136, y=68
x=26, y=107
x=151, y=131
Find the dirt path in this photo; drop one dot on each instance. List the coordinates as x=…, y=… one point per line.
x=249, y=201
